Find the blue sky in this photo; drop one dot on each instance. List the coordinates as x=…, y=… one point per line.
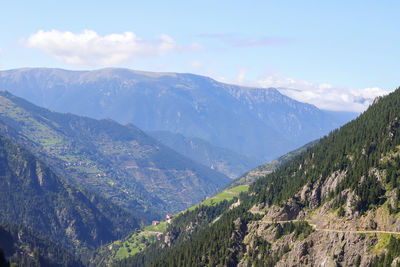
x=335, y=54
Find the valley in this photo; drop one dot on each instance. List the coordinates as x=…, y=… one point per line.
x=301, y=208
x=199, y=134
x=120, y=162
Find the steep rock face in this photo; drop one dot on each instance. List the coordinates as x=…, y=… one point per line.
x=251, y=121
x=32, y=195
x=120, y=162
x=329, y=249
x=317, y=249
x=332, y=182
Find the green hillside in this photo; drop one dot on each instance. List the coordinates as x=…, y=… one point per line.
x=119, y=162
x=146, y=237
x=21, y=246
x=33, y=196
x=337, y=202
x=227, y=194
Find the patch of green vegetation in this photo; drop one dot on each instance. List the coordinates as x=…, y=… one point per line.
x=136, y=243
x=383, y=241
x=162, y=227
x=392, y=246
x=239, y=189
x=341, y=212
x=224, y=195
x=300, y=229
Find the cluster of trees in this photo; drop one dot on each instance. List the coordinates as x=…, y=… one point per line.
x=201, y=216
x=23, y=247
x=300, y=229
x=393, y=251
x=260, y=254
x=216, y=240
x=221, y=244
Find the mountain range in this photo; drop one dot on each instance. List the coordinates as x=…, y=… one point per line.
x=70, y=183
x=119, y=162
x=256, y=122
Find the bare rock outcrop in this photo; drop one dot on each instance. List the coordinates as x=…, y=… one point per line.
x=315, y=197
x=289, y=212
x=329, y=249
x=332, y=182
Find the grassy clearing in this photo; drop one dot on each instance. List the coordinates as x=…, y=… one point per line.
x=138, y=241
x=224, y=195
x=239, y=189
x=383, y=241
x=162, y=227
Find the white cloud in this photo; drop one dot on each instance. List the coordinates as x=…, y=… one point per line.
x=166, y=43
x=324, y=96
x=90, y=49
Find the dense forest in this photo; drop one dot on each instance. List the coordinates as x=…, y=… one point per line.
x=48, y=217
x=365, y=150
x=23, y=247
x=355, y=148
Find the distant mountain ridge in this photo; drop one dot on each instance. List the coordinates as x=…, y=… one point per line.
x=120, y=162
x=251, y=121
x=221, y=159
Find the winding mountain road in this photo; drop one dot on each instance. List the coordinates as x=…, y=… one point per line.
x=337, y=230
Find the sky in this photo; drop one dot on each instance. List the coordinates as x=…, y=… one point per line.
x=337, y=55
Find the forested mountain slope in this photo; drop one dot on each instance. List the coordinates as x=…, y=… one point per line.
x=32, y=195
x=120, y=162
x=21, y=246
x=335, y=204
x=250, y=121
